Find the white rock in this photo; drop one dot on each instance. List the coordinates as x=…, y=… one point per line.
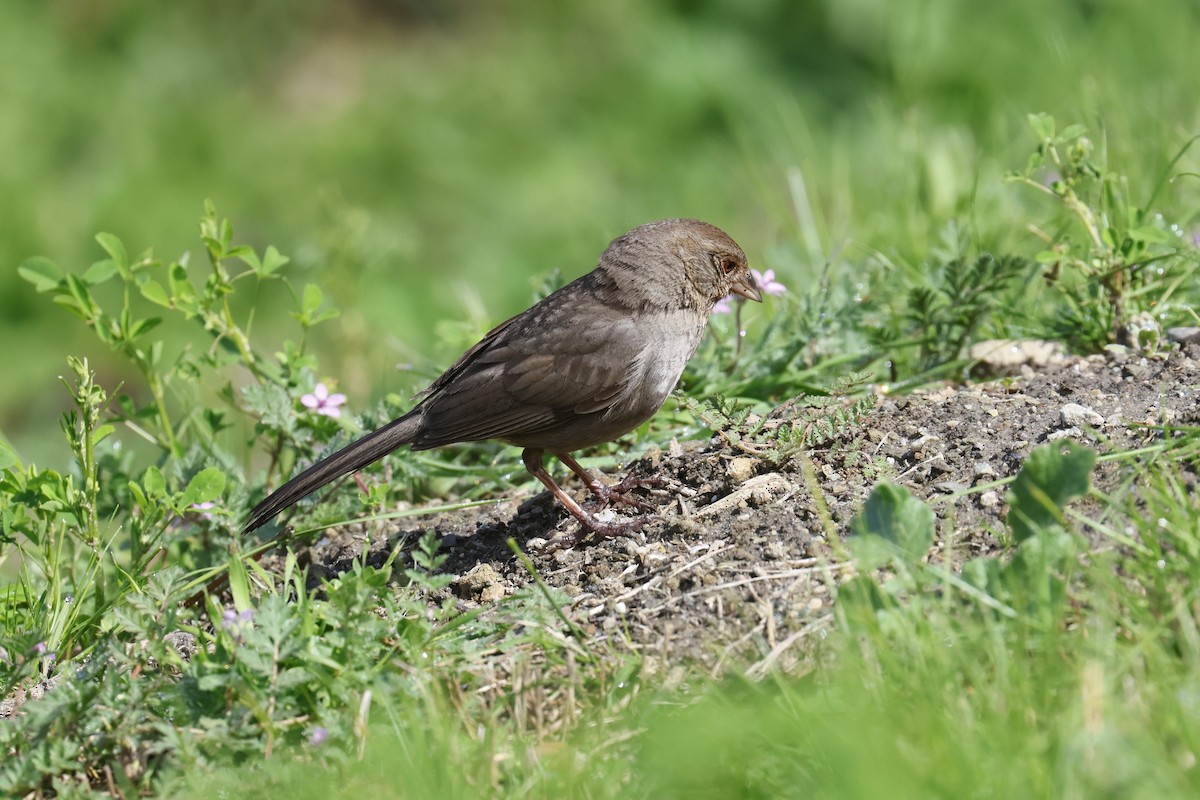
x=1075, y=415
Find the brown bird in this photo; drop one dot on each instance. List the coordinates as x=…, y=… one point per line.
x=586, y=365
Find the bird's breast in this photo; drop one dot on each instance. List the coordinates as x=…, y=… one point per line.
x=670, y=342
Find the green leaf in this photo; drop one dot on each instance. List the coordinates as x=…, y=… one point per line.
x=100, y=272
x=272, y=405
x=43, y=273
x=155, y=293
x=1052, y=475
x=1035, y=578
x=313, y=297
x=243, y=252
x=183, y=294
x=212, y=682
x=153, y=480
x=1072, y=132
x=101, y=433
x=143, y=326
x=1042, y=125
x=139, y=496
x=1149, y=233
x=239, y=583
x=116, y=251
x=273, y=260
x=8, y=456
x=249, y=258
x=205, y=487
x=79, y=299
x=892, y=525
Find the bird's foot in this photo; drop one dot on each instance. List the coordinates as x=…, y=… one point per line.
x=604, y=494
x=594, y=530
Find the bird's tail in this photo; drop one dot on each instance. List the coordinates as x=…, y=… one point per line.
x=370, y=448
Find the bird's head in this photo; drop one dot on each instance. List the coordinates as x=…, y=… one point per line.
x=681, y=262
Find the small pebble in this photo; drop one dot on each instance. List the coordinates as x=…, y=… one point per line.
x=1188, y=335
x=479, y=578
x=492, y=593
x=1075, y=415
x=740, y=470
x=984, y=470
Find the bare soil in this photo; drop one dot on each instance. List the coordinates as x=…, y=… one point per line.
x=736, y=568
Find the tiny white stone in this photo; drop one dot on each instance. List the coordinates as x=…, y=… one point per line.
x=1075, y=415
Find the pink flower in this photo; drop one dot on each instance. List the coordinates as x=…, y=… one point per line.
x=767, y=283
x=203, y=509
x=322, y=402
x=724, y=305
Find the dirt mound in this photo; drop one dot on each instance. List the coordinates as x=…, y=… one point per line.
x=737, y=566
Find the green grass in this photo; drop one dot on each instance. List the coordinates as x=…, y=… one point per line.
x=920, y=175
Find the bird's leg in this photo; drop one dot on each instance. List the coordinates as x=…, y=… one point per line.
x=533, y=462
x=618, y=492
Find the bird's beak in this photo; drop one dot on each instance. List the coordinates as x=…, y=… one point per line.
x=745, y=287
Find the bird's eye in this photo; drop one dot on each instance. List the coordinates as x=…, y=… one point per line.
x=727, y=264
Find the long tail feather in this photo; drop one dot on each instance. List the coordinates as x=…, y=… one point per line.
x=356, y=455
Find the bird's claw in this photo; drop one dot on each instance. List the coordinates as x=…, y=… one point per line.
x=596, y=530
x=604, y=494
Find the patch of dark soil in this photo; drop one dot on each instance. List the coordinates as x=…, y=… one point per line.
x=736, y=568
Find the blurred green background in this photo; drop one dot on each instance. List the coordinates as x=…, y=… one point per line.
x=428, y=160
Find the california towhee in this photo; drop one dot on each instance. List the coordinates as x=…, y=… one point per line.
x=584, y=366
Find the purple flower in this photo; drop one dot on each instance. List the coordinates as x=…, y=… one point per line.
x=724, y=305
x=767, y=283
x=234, y=619
x=318, y=736
x=203, y=509
x=322, y=402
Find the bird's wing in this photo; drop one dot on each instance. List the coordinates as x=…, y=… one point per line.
x=531, y=374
